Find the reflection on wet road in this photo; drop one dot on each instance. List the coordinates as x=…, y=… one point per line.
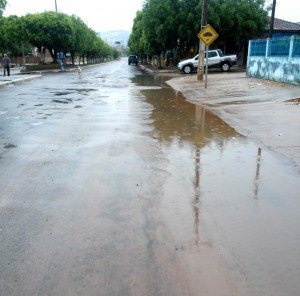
x=113, y=184
x=239, y=197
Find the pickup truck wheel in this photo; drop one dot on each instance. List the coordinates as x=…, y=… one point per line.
x=225, y=67
x=187, y=69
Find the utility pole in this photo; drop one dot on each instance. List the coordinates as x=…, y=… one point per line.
x=272, y=19
x=55, y=6
x=201, y=43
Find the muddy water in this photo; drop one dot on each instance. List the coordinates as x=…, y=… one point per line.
x=113, y=184
x=226, y=198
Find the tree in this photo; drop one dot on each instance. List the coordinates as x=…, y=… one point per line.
x=163, y=23
x=2, y=6
x=237, y=21
x=79, y=39
x=50, y=30
x=189, y=24
x=160, y=25
x=13, y=35
x=137, y=40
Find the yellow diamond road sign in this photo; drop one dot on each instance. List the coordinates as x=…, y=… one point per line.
x=208, y=35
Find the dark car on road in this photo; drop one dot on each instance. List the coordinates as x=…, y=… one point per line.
x=133, y=59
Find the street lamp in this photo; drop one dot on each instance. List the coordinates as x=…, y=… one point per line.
x=55, y=6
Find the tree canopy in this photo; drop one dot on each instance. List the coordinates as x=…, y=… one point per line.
x=167, y=24
x=12, y=35
x=2, y=6
x=54, y=31
x=50, y=30
x=237, y=20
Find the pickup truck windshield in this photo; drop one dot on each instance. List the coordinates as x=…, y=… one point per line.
x=220, y=52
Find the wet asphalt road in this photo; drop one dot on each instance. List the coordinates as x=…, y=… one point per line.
x=113, y=184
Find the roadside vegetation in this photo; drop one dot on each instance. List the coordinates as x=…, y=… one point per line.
x=2, y=6
x=52, y=31
x=170, y=27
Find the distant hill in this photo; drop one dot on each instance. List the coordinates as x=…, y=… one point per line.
x=111, y=37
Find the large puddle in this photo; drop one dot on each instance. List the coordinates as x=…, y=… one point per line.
x=227, y=193
x=146, y=193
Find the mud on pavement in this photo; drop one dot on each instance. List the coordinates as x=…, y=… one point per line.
x=263, y=110
x=115, y=184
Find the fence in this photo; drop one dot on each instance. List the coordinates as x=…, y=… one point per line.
x=275, y=59
x=283, y=47
x=28, y=59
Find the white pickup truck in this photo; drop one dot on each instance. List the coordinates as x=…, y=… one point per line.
x=216, y=59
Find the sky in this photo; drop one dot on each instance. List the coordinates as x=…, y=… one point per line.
x=104, y=15
x=288, y=10
x=100, y=15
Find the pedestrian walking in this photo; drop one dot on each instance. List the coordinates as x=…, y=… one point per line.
x=62, y=60
x=6, y=65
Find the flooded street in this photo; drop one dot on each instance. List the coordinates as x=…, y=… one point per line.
x=113, y=184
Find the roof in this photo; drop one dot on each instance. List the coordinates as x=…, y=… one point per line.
x=281, y=25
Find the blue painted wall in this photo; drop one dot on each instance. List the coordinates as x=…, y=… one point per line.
x=275, y=59
x=275, y=68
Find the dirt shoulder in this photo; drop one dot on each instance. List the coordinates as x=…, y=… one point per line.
x=266, y=111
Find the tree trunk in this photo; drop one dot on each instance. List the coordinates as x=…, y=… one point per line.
x=53, y=55
x=159, y=61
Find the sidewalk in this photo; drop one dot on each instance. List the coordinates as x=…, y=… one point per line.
x=263, y=110
x=16, y=76
x=4, y=81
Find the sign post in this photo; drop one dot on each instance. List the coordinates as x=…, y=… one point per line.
x=206, y=69
x=208, y=35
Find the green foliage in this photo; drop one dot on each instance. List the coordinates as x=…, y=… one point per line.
x=13, y=35
x=160, y=24
x=49, y=29
x=80, y=36
x=237, y=20
x=2, y=6
x=137, y=41
x=164, y=24
x=54, y=31
x=189, y=16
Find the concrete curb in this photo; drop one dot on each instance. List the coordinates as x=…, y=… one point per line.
x=58, y=70
x=19, y=80
x=157, y=71
x=40, y=73
x=147, y=70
